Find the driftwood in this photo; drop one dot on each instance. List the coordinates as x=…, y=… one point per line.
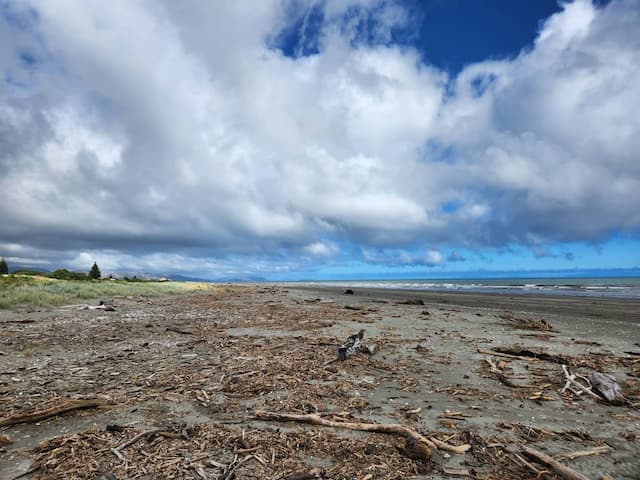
x=572, y=381
x=118, y=450
x=351, y=346
x=502, y=355
x=66, y=406
x=523, y=352
x=456, y=472
x=559, y=468
x=106, y=308
x=584, y=453
x=500, y=374
x=390, y=428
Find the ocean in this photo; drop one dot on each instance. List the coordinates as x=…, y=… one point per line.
x=620, y=287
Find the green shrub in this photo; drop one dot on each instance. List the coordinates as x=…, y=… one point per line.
x=64, y=274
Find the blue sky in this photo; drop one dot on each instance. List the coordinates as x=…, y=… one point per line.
x=298, y=139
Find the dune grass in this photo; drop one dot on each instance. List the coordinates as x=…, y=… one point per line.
x=18, y=290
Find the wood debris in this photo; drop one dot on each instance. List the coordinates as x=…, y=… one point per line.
x=183, y=376
x=58, y=409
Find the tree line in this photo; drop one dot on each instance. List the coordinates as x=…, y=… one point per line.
x=61, y=273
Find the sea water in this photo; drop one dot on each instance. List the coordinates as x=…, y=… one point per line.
x=619, y=287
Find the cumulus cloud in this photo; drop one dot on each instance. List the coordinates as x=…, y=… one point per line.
x=321, y=249
x=182, y=129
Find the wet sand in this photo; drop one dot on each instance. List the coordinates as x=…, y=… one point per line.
x=200, y=365
x=607, y=309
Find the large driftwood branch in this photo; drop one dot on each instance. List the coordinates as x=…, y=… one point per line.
x=524, y=354
x=352, y=345
x=559, y=468
x=63, y=407
x=571, y=380
x=389, y=428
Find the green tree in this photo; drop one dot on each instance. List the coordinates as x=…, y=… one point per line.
x=94, y=272
x=3, y=266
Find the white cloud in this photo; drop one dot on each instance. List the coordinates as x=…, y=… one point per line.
x=181, y=128
x=321, y=249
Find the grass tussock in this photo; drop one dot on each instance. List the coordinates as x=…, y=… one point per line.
x=19, y=290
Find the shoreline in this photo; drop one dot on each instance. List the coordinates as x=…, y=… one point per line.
x=605, y=308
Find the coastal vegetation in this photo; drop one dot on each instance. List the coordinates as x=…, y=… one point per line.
x=59, y=288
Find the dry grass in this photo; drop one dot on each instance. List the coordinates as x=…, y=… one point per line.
x=19, y=290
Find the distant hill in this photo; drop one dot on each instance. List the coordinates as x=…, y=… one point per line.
x=239, y=279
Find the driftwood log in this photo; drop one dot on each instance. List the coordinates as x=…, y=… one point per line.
x=63, y=407
x=389, y=428
x=558, y=467
x=585, y=453
x=526, y=353
x=352, y=345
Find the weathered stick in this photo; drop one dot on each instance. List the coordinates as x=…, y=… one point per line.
x=66, y=406
x=584, y=453
x=500, y=374
x=390, y=428
x=504, y=355
x=118, y=450
x=559, y=468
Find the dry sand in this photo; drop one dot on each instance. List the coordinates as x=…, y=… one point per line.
x=197, y=367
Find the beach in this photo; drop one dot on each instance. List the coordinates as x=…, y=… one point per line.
x=187, y=380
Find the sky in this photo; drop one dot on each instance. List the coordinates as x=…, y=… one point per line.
x=319, y=139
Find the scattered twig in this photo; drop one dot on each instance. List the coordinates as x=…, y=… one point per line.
x=230, y=471
x=118, y=450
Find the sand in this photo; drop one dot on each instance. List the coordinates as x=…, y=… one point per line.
x=198, y=366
